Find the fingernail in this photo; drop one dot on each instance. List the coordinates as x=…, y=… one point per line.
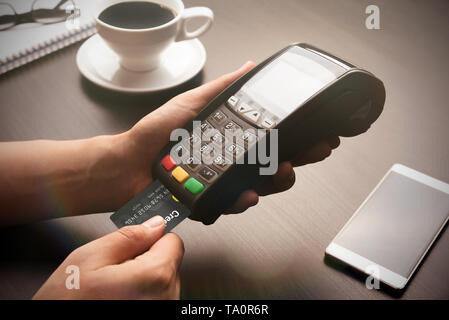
x=292, y=177
x=247, y=63
x=154, y=222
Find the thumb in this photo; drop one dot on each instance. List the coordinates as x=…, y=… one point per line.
x=158, y=125
x=202, y=95
x=123, y=244
x=186, y=106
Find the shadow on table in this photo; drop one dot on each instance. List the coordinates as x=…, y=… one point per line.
x=142, y=103
x=28, y=256
x=213, y=275
x=37, y=242
x=123, y=110
x=360, y=276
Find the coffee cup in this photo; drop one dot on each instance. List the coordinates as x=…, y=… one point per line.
x=139, y=31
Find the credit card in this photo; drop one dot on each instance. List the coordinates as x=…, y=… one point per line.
x=154, y=200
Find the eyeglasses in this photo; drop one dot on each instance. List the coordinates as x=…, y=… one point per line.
x=42, y=11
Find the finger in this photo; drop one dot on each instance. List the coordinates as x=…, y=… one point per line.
x=334, y=142
x=248, y=198
x=167, y=251
x=283, y=180
x=178, y=286
x=121, y=245
x=318, y=152
x=155, y=271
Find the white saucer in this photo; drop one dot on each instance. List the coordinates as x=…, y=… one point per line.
x=179, y=63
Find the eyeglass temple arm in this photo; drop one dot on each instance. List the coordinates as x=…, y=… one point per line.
x=60, y=3
x=7, y=18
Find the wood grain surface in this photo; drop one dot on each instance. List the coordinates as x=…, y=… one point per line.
x=276, y=249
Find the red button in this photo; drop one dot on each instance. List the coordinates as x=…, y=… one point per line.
x=168, y=163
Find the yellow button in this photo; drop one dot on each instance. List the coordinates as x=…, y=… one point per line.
x=180, y=174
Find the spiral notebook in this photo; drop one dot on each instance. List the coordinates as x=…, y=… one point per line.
x=24, y=43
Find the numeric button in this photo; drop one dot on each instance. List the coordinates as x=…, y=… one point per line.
x=218, y=117
x=231, y=127
x=194, y=139
x=192, y=163
x=221, y=163
x=248, y=138
x=206, y=126
x=235, y=150
x=218, y=138
x=207, y=150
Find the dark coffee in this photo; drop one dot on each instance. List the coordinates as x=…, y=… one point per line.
x=137, y=15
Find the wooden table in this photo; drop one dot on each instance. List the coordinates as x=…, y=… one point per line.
x=276, y=249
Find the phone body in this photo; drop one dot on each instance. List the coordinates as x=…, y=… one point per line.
x=391, y=232
x=305, y=93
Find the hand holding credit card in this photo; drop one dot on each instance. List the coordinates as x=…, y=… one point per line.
x=152, y=201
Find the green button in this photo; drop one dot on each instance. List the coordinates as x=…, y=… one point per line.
x=194, y=186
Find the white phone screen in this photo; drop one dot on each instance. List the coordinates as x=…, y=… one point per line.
x=397, y=224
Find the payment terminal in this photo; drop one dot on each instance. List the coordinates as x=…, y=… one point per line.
x=305, y=93
x=301, y=95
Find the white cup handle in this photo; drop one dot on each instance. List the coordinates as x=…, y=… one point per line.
x=191, y=13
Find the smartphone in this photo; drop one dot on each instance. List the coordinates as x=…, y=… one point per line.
x=395, y=227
